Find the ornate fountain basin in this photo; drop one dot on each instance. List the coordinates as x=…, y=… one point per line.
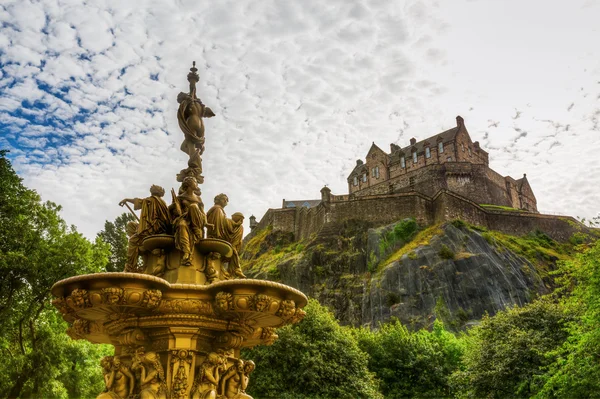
x=132, y=308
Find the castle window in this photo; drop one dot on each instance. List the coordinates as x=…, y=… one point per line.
x=375, y=172
x=415, y=157
x=462, y=147
x=440, y=147
x=427, y=152
x=364, y=177
x=355, y=181
x=469, y=148
x=449, y=159
x=402, y=162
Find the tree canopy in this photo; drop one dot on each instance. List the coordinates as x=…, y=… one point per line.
x=37, y=249
x=316, y=358
x=114, y=234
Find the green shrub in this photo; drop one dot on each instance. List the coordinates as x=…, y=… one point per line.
x=446, y=253
x=411, y=364
x=316, y=358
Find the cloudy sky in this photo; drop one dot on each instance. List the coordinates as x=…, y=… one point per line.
x=300, y=89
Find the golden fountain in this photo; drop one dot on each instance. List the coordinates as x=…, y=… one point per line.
x=177, y=321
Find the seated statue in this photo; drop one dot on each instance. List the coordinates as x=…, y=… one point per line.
x=118, y=379
x=152, y=379
x=189, y=218
x=207, y=380
x=154, y=219
x=229, y=230
x=235, y=381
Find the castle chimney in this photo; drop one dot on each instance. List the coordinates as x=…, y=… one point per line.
x=476, y=144
x=253, y=222
x=394, y=148
x=413, y=141
x=460, y=122
x=359, y=162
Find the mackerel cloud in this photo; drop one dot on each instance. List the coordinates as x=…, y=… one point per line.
x=300, y=90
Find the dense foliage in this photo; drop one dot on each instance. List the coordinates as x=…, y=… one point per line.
x=576, y=370
x=36, y=250
x=314, y=359
x=508, y=353
x=411, y=364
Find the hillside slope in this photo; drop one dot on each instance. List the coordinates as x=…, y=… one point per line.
x=368, y=275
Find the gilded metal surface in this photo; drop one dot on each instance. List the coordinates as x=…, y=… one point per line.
x=178, y=317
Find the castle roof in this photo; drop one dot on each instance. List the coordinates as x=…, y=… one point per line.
x=301, y=203
x=432, y=141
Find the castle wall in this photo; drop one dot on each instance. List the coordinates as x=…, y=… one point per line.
x=444, y=206
x=383, y=209
x=309, y=221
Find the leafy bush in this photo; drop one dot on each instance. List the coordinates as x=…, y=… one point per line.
x=575, y=372
x=506, y=354
x=411, y=364
x=446, y=253
x=402, y=233
x=316, y=358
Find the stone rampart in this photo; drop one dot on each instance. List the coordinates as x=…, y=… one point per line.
x=445, y=205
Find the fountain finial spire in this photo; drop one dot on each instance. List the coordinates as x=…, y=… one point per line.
x=193, y=78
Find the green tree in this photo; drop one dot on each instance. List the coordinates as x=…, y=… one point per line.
x=576, y=371
x=36, y=250
x=411, y=364
x=506, y=354
x=316, y=358
x=114, y=234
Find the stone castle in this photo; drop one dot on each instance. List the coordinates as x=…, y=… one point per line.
x=444, y=177
x=448, y=160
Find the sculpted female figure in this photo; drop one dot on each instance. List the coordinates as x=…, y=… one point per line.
x=152, y=378
x=154, y=219
x=249, y=367
x=229, y=230
x=118, y=379
x=189, y=218
x=207, y=380
x=189, y=115
x=232, y=383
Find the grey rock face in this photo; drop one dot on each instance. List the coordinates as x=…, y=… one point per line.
x=423, y=285
x=457, y=276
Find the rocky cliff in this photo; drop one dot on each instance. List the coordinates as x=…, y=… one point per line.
x=367, y=275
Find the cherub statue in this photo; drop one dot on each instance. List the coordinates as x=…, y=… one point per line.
x=154, y=219
x=189, y=218
x=230, y=230
x=118, y=379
